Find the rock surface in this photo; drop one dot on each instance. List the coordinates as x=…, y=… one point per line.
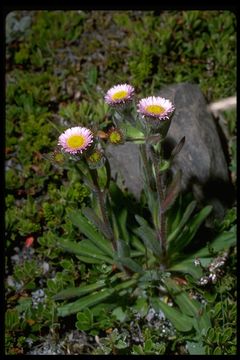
x=201, y=159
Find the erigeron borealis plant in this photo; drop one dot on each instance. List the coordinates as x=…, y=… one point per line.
x=153, y=248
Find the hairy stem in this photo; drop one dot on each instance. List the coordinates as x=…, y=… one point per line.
x=102, y=204
x=161, y=231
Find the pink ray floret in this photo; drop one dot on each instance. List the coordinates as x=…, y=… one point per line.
x=119, y=94
x=155, y=107
x=75, y=140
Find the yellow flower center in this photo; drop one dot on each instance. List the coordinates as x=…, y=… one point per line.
x=95, y=157
x=119, y=95
x=76, y=141
x=59, y=157
x=155, y=109
x=115, y=137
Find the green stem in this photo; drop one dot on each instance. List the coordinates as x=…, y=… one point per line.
x=161, y=231
x=102, y=204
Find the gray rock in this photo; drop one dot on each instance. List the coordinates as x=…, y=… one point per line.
x=125, y=167
x=202, y=160
x=202, y=156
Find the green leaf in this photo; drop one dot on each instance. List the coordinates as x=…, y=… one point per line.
x=177, y=149
x=95, y=219
x=203, y=322
x=89, y=260
x=218, y=351
x=90, y=232
x=195, y=348
x=84, y=248
x=136, y=243
x=187, y=267
x=84, y=302
x=129, y=263
x=165, y=164
x=153, y=205
x=132, y=132
x=172, y=192
x=119, y=314
x=126, y=284
x=122, y=221
x=11, y=320
x=188, y=212
x=188, y=306
x=181, y=321
x=114, y=225
x=77, y=292
x=123, y=249
x=221, y=242
x=148, y=235
x=85, y=320
x=189, y=231
x=141, y=306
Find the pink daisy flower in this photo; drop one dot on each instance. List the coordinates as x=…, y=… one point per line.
x=119, y=94
x=155, y=107
x=75, y=140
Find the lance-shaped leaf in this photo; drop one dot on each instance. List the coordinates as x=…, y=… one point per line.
x=181, y=321
x=85, y=248
x=221, y=242
x=83, y=170
x=122, y=224
x=187, y=267
x=188, y=232
x=188, y=306
x=78, y=292
x=123, y=249
x=132, y=132
x=126, y=284
x=90, y=232
x=85, y=302
x=96, y=220
x=148, y=235
x=203, y=322
x=137, y=244
x=177, y=149
x=146, y=169
x=188, y=212
x=129, y=263
x=172, y=192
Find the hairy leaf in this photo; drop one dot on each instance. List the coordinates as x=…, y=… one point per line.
x=85, y=302
x=189, y=231
x=172, y=192
x=177, y=148
x=181, y=321
x=129, y=263
x=148, y=235
x=78, y=292
x=123, y=249
x=188, y=212
x=84, y=248
x=181, y=298
x=187, y=267
x=90, y=232
x=95, y=219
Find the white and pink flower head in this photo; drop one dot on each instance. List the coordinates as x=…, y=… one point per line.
x=155, y=107
x=119, y=94
x=75, y=140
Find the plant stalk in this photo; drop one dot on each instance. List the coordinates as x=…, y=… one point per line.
x=161, y=231
x=100, y=195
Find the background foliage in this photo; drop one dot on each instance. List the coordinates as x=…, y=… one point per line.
x=58, y=66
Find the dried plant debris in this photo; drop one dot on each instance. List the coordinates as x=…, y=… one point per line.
x=214, y=271
x=73, y=343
